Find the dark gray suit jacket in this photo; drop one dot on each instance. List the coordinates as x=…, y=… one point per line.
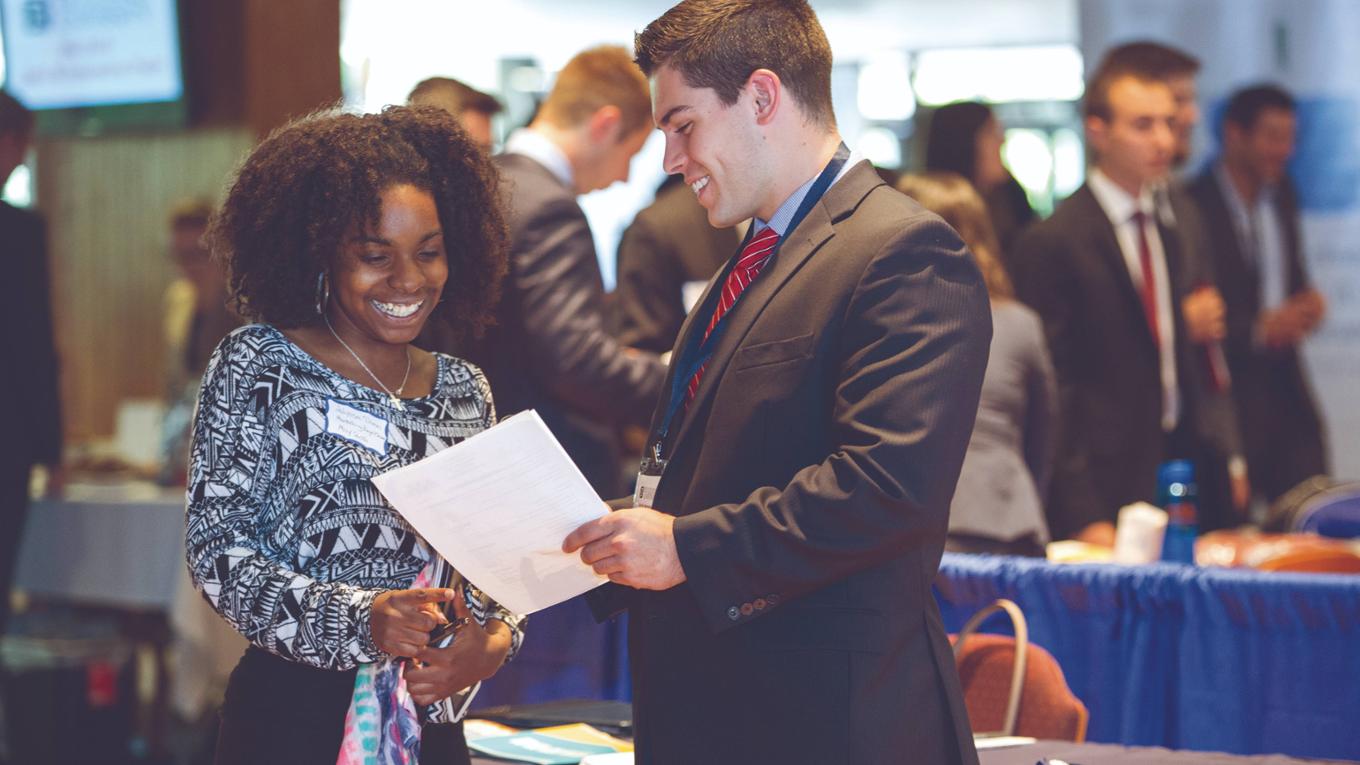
x=27, y=346
x=1110, y=440
x=668, y=245
x=811, y=477
x=551, y=349
x=1281, y=427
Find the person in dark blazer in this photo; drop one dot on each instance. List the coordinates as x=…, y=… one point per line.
x=669, y=252
x=1251, y=213
x=792, y=510
x=551, y=349
x=1224, y=486
x=998, y=506
x=1105, y=274
x=33, y=435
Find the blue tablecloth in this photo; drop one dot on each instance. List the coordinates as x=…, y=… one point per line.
x=1195, y=658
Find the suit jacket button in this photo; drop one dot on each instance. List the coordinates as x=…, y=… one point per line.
x=759, y=603
x=746, y=609
x=733, y=613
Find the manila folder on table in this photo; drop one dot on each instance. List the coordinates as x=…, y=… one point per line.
x=497, y=507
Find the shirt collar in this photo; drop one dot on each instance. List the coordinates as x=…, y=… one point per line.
x=536, y=146
x=784, y=215
x=1235, y=200
x=1118, y=204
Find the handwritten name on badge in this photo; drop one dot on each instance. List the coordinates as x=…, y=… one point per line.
x=364, y=429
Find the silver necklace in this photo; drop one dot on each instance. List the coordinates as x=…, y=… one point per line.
x=393, y=397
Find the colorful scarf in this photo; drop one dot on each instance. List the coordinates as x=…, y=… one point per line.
x=382, y=726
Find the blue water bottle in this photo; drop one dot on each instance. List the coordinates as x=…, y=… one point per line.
x=1176, y=494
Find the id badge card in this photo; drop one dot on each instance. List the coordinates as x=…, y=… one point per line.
x=648, y=478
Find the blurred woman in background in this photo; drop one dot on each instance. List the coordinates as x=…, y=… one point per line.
x=344, y=234
x=998, y=506
x=965, y=138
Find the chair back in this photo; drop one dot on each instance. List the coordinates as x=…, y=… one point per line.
x=1012, y=687
x=1333, y=513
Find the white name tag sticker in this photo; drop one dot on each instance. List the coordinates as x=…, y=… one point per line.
x=356, y=425
x=645, y=493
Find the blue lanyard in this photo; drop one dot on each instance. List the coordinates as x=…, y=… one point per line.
x=698, y=349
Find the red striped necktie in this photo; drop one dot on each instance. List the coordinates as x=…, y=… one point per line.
x=753, y=257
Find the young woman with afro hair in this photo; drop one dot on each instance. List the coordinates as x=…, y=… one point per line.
x=343, y=235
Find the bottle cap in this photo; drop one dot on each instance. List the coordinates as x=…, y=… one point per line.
x=1176, y=471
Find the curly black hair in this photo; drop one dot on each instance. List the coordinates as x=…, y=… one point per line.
x=310, y=182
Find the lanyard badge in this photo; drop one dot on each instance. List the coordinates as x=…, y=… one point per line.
x=697, y=348
x=648, y=478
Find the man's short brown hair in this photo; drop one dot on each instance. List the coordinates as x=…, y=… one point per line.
x=596, y=78
x=718, y=44
x=453, y=97
x=1145, y=61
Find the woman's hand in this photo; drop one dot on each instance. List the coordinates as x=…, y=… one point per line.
x=402, y=619
x=477, y=652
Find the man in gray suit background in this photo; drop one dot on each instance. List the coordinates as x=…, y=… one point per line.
x=551, y=349
x=793, y=503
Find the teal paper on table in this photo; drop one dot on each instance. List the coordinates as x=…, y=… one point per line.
x=536, y=748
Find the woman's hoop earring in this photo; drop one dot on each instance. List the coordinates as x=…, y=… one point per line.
x=323, y=293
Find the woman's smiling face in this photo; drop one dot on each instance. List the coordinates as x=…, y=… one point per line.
x=386, y=282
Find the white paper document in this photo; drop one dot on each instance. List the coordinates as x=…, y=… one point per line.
x=497, y=506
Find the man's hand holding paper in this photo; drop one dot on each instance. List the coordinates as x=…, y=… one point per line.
x=634, y=547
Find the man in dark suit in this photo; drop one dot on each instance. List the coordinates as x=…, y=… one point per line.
x=33, y=435
x=551, y=349
x=1251, y=213
x=792, y=508
x=1224, y=488
x=667, y=255
x=1105, y=274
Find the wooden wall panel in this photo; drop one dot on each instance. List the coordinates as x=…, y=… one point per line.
x=106, y=202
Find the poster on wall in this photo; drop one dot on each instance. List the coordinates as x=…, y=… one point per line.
x=74, y=53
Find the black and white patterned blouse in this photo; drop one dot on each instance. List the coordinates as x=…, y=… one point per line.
x=286, y=536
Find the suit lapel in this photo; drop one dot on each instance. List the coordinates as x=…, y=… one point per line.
x=1105, y=244
x=698, y=317
x=800, y=245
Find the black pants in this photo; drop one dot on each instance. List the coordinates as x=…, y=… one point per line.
x=13, y=511
x=278, y=711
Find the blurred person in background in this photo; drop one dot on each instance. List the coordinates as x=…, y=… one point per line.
x=550, y=348
x=1224, y=487
x=666, y=257
x=197, y=317
x=1251, y=212
x=998, y=507
x=33, y=433
x=966, y=138
x=1104, y=274
x=473, y=108
x=344, y=234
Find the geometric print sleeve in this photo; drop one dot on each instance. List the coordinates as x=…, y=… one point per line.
x=231, y=560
